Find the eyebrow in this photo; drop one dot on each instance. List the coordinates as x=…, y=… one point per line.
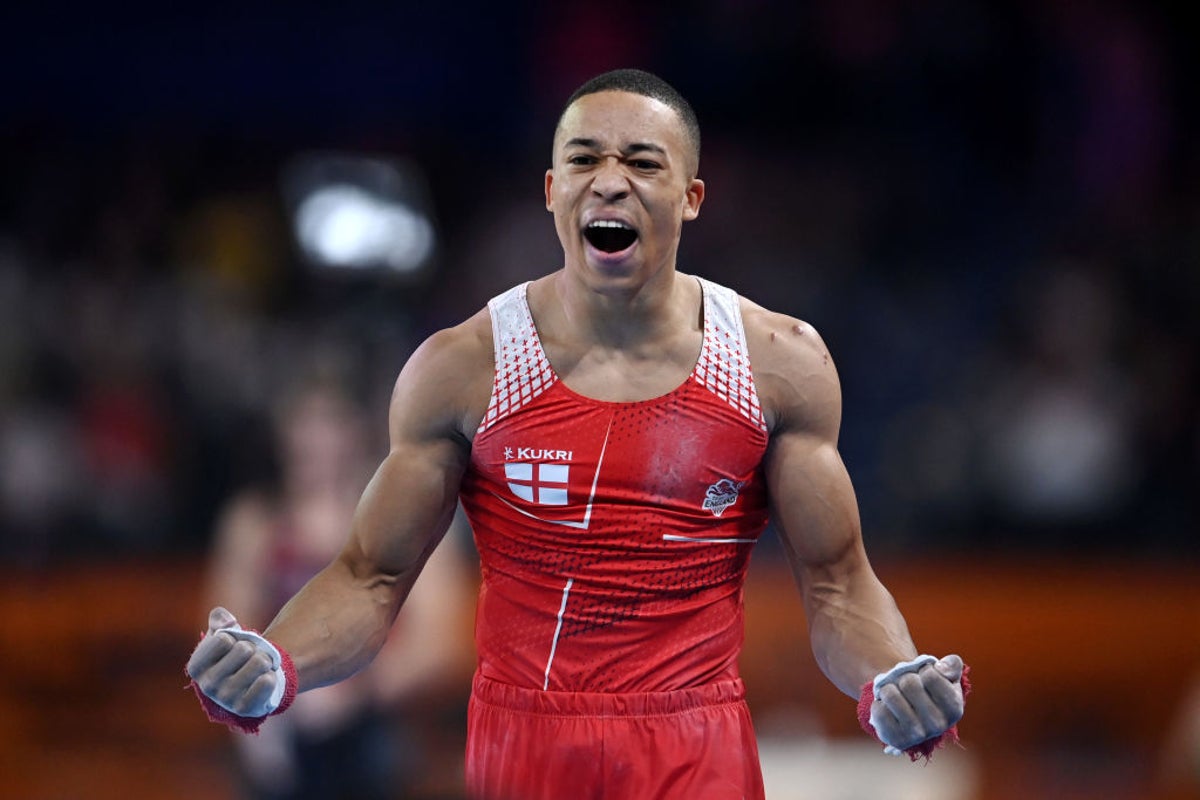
x=628, y=150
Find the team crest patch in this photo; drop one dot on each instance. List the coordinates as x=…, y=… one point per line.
x=721, y=495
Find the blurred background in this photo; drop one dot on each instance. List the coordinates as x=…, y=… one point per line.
x=991, y=211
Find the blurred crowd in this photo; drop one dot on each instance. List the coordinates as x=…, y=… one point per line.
x=992, y=215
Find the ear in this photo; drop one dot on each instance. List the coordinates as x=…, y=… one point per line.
x=692, y=199
x=549, y=194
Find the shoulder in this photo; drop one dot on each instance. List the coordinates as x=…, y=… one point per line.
x=794, y=373
x=466, y=346
x=446, y=383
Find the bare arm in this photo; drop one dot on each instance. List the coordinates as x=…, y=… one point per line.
x=429, y=648
x=857, y=633
x=855, y=627
x=337, y=623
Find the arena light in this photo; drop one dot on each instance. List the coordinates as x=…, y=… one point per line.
x=352, y=212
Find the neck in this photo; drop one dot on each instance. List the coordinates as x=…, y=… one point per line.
x=623, y=317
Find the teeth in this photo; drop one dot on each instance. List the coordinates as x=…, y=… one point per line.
x=609, y=223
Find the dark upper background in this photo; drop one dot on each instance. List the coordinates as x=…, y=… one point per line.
x=990, y=211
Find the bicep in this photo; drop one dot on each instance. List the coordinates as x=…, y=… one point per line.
x=406, y=507
x=411, y=499
x=813, y=507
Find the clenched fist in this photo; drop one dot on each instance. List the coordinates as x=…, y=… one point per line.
x=916, y=703
x=240, y=672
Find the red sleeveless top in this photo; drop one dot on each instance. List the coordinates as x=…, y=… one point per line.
x=614, y=537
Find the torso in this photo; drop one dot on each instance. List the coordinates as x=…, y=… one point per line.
x=614, y=535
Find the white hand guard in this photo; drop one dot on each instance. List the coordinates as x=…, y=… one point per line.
x=891, y=676
x=272, y=652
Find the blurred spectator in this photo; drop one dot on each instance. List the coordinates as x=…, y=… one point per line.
x=351, y=741
x=881, y=169
x=41, y=479
x=1057, y=427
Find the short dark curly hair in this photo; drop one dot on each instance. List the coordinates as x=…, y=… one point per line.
x=647, y=84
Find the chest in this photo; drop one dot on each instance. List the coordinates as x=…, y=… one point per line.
x=626, y=376
x=563, y=456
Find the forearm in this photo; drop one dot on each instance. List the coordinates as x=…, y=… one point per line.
x=429, y=643
x=337, y=623
x=855, y=628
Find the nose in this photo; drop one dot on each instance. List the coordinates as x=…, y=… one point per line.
x=610, y=181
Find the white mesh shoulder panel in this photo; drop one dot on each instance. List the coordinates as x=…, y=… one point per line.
x=522, y=369
x=724, y=365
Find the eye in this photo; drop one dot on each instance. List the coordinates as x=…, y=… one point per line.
x=645, y=165
x=581, y=160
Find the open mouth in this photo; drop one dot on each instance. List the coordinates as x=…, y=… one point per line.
x=609, y=236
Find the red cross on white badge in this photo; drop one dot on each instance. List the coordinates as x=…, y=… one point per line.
x=543, y=484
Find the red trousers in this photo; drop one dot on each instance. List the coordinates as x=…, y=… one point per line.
x=691, y=744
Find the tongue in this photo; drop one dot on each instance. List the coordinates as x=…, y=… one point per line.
x=610, y=240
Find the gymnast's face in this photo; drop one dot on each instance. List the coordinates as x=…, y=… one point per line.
x=621, y=186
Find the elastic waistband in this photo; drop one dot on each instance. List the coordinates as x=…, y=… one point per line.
x=606, y=704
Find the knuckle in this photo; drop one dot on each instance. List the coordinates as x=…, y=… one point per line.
x=263, y=684
x=916, y=733
x=218, y=642
x=226, y=696
x=261, y=662
x=200, y=658
x=244, y=650
x=931, y=677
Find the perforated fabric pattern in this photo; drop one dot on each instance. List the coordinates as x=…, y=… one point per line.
x=724, y=364
x=522, y=370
